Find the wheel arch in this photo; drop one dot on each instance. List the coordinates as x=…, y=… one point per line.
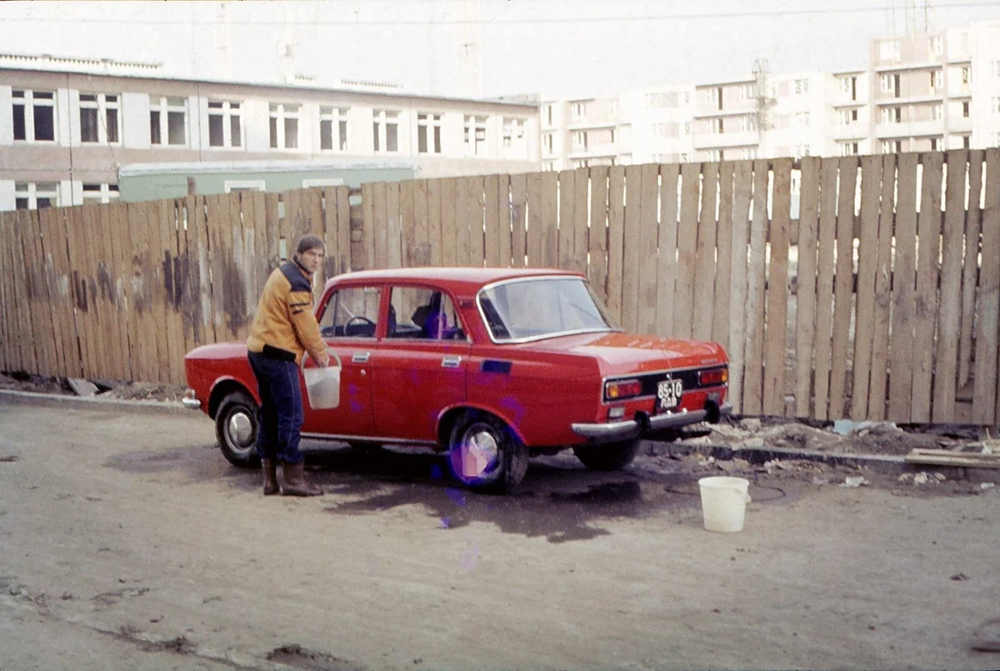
x=224, y=386
x=447, y=419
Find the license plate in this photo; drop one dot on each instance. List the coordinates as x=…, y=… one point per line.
x=669, y=393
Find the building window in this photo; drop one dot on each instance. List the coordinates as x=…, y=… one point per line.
x=548, y=114
x=224, y=129
x=100, y=118
x=32, y=196
x=802, y=150
x=284, y=126
x=748, y=124
x=716, y=126
x=937, y=111
x=800, y=119
x=333, y=128
x=848, y=148
x=996, y=105
x=801, y=86
x=746, y=92
x=715, y=155
x=34, y=116
x=965, y=109
x=937, y=80
x=513, y=135
x=848, y=117
x=580, y=140
x=892, y=146
x=475, y=135
x=965, y=142
x=548, y=143
x=322, y=181
x=579, y=110
x=935, y=144
x=233, y=185
x=966, y=74
x=168, y=120
x=892, y=115
x=687, y=129
x=385, y=131
x=429, y=133
x=94, y=194
x=996, y=68
x=749, y=153
x=937, y=45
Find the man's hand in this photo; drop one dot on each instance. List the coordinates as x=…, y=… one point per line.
x=323, y=362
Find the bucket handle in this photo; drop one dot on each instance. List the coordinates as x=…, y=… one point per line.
x=746, y=498
x=329, y=350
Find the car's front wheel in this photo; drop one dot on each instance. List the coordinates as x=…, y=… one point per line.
x=608, y=457
x=236, y=429
x=485, y=454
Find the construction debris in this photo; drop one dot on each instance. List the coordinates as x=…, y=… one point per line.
x=953, y=458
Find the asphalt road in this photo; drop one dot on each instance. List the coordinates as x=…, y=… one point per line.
x=127, y=542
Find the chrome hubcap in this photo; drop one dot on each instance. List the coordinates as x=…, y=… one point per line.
x=479, y=452
x=241, y=430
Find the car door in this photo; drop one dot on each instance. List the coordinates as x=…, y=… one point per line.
x=349, y=324
x=420, y=370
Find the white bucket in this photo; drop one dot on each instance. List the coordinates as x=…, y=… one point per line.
x=723, y=503
x=323, y=384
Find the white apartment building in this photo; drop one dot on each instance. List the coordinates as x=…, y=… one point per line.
x=918, y=93
x=68, y=126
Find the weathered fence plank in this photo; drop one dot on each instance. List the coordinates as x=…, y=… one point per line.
x=843, y=285
x=666, y=262
x=871, y=190
x=985, y=408
x=970, y=268
x=753, y=362
x=903, y=293
x=883, y=294
x=704, y=269
x=742, y=192
x=928, y=271
x=646, y=281
x=777, y=290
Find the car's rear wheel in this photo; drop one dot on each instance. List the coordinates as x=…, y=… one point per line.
x=485, y=455
x=608, y=457
x=236, y=429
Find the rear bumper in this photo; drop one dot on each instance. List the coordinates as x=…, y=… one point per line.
x=636, y=428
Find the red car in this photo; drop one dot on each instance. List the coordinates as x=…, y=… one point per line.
x=491, y=365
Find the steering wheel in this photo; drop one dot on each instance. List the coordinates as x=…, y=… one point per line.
x=358, y=318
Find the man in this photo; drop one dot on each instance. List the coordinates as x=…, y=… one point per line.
x=283, y=330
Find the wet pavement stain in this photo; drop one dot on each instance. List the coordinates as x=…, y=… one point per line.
x=559, y=499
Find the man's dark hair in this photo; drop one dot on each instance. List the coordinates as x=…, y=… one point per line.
x=307, y=242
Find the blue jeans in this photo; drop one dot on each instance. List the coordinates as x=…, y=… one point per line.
x=279, y=419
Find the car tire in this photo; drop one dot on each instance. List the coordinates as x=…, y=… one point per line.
x=482, y=437
x=236, y=429
x=608, y=457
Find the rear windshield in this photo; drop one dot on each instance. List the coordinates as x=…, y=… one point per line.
x=543, y=308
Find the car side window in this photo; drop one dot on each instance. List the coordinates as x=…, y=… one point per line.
x=351, y=313
x=422, y=314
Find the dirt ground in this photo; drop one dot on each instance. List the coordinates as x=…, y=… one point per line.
x=128, y=542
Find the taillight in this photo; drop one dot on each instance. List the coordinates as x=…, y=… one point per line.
x=713, y=378
x=619, y=389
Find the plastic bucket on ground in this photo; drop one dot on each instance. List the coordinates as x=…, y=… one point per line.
x=323, y=384
x=723, y=503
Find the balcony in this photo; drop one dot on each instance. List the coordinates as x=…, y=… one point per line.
x=594, y=150
x=705, y=141
x=856, y=131
x=909, y=129
x=959, y=124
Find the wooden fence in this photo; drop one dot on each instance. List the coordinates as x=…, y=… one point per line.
x=876, y=297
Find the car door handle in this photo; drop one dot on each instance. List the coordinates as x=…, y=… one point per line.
x=451, y=362
x=360, y=357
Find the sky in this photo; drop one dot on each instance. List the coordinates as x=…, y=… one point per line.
x=556, y=48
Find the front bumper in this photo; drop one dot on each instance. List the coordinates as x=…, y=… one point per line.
x=636, y=428
x=190, y=400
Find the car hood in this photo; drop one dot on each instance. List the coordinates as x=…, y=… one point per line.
x=626, y=353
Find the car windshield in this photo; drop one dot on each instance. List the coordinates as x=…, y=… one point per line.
x=543, y=308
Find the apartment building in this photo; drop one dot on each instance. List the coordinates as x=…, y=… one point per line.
x=916, y=93
x=68, y=128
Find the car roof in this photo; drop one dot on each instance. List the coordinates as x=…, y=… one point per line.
x=469, y=279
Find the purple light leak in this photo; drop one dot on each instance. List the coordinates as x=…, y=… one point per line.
x=436, y=473
x=455, y=496
x=445, y=523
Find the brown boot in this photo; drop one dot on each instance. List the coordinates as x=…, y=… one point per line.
x=295, y=481
x=270, y=470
